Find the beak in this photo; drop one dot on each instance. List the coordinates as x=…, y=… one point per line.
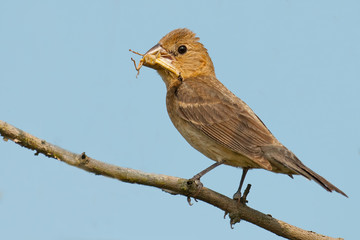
x=157, y=57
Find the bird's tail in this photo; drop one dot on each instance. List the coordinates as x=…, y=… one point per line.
x=281, y=159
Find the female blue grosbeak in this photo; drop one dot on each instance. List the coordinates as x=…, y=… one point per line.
x=211, y=118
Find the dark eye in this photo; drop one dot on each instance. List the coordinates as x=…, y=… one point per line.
x=182, y=49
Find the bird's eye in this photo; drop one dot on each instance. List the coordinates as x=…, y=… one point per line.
x=182, y=49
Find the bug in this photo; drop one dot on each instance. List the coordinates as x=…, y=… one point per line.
x=155, y=57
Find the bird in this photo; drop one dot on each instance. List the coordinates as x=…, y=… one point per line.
x=211, y=118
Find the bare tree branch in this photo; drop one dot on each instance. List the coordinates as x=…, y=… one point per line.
x=170, y=184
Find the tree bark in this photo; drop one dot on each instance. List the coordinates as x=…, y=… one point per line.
x=173, y=185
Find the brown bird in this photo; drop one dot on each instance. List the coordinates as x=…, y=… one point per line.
x=211, y=118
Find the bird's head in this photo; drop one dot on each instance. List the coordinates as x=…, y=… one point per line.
x=179, y=55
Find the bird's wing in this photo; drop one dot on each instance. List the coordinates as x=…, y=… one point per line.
x=224, y=118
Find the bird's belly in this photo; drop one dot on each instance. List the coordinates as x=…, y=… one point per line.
x=210, y=147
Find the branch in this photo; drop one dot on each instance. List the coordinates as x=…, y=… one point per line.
x=170, y=184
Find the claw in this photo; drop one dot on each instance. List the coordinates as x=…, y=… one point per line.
x=189, y=201
x=233, y=220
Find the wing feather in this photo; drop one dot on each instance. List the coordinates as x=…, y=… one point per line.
x=224, y=118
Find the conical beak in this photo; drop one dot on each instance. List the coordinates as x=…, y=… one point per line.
x=157, y=57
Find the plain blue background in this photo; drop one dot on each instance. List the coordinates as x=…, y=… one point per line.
x=66, y=77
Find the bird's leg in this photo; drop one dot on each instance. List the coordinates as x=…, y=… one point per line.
x=237, y=195
x=196, y=179
x=206, y=170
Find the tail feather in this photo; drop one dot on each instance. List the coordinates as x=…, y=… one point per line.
x=284, y=161
x=322, y=181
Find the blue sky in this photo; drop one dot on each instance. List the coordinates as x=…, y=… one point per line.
x=66, y=76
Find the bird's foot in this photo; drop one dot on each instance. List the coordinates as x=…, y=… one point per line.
x=195, y=180
x=242, y=199
x=237, y=196
x=189, y=200
x=194, y=186
x=195, y=183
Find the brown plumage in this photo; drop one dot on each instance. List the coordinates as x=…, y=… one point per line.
x=211, y=118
